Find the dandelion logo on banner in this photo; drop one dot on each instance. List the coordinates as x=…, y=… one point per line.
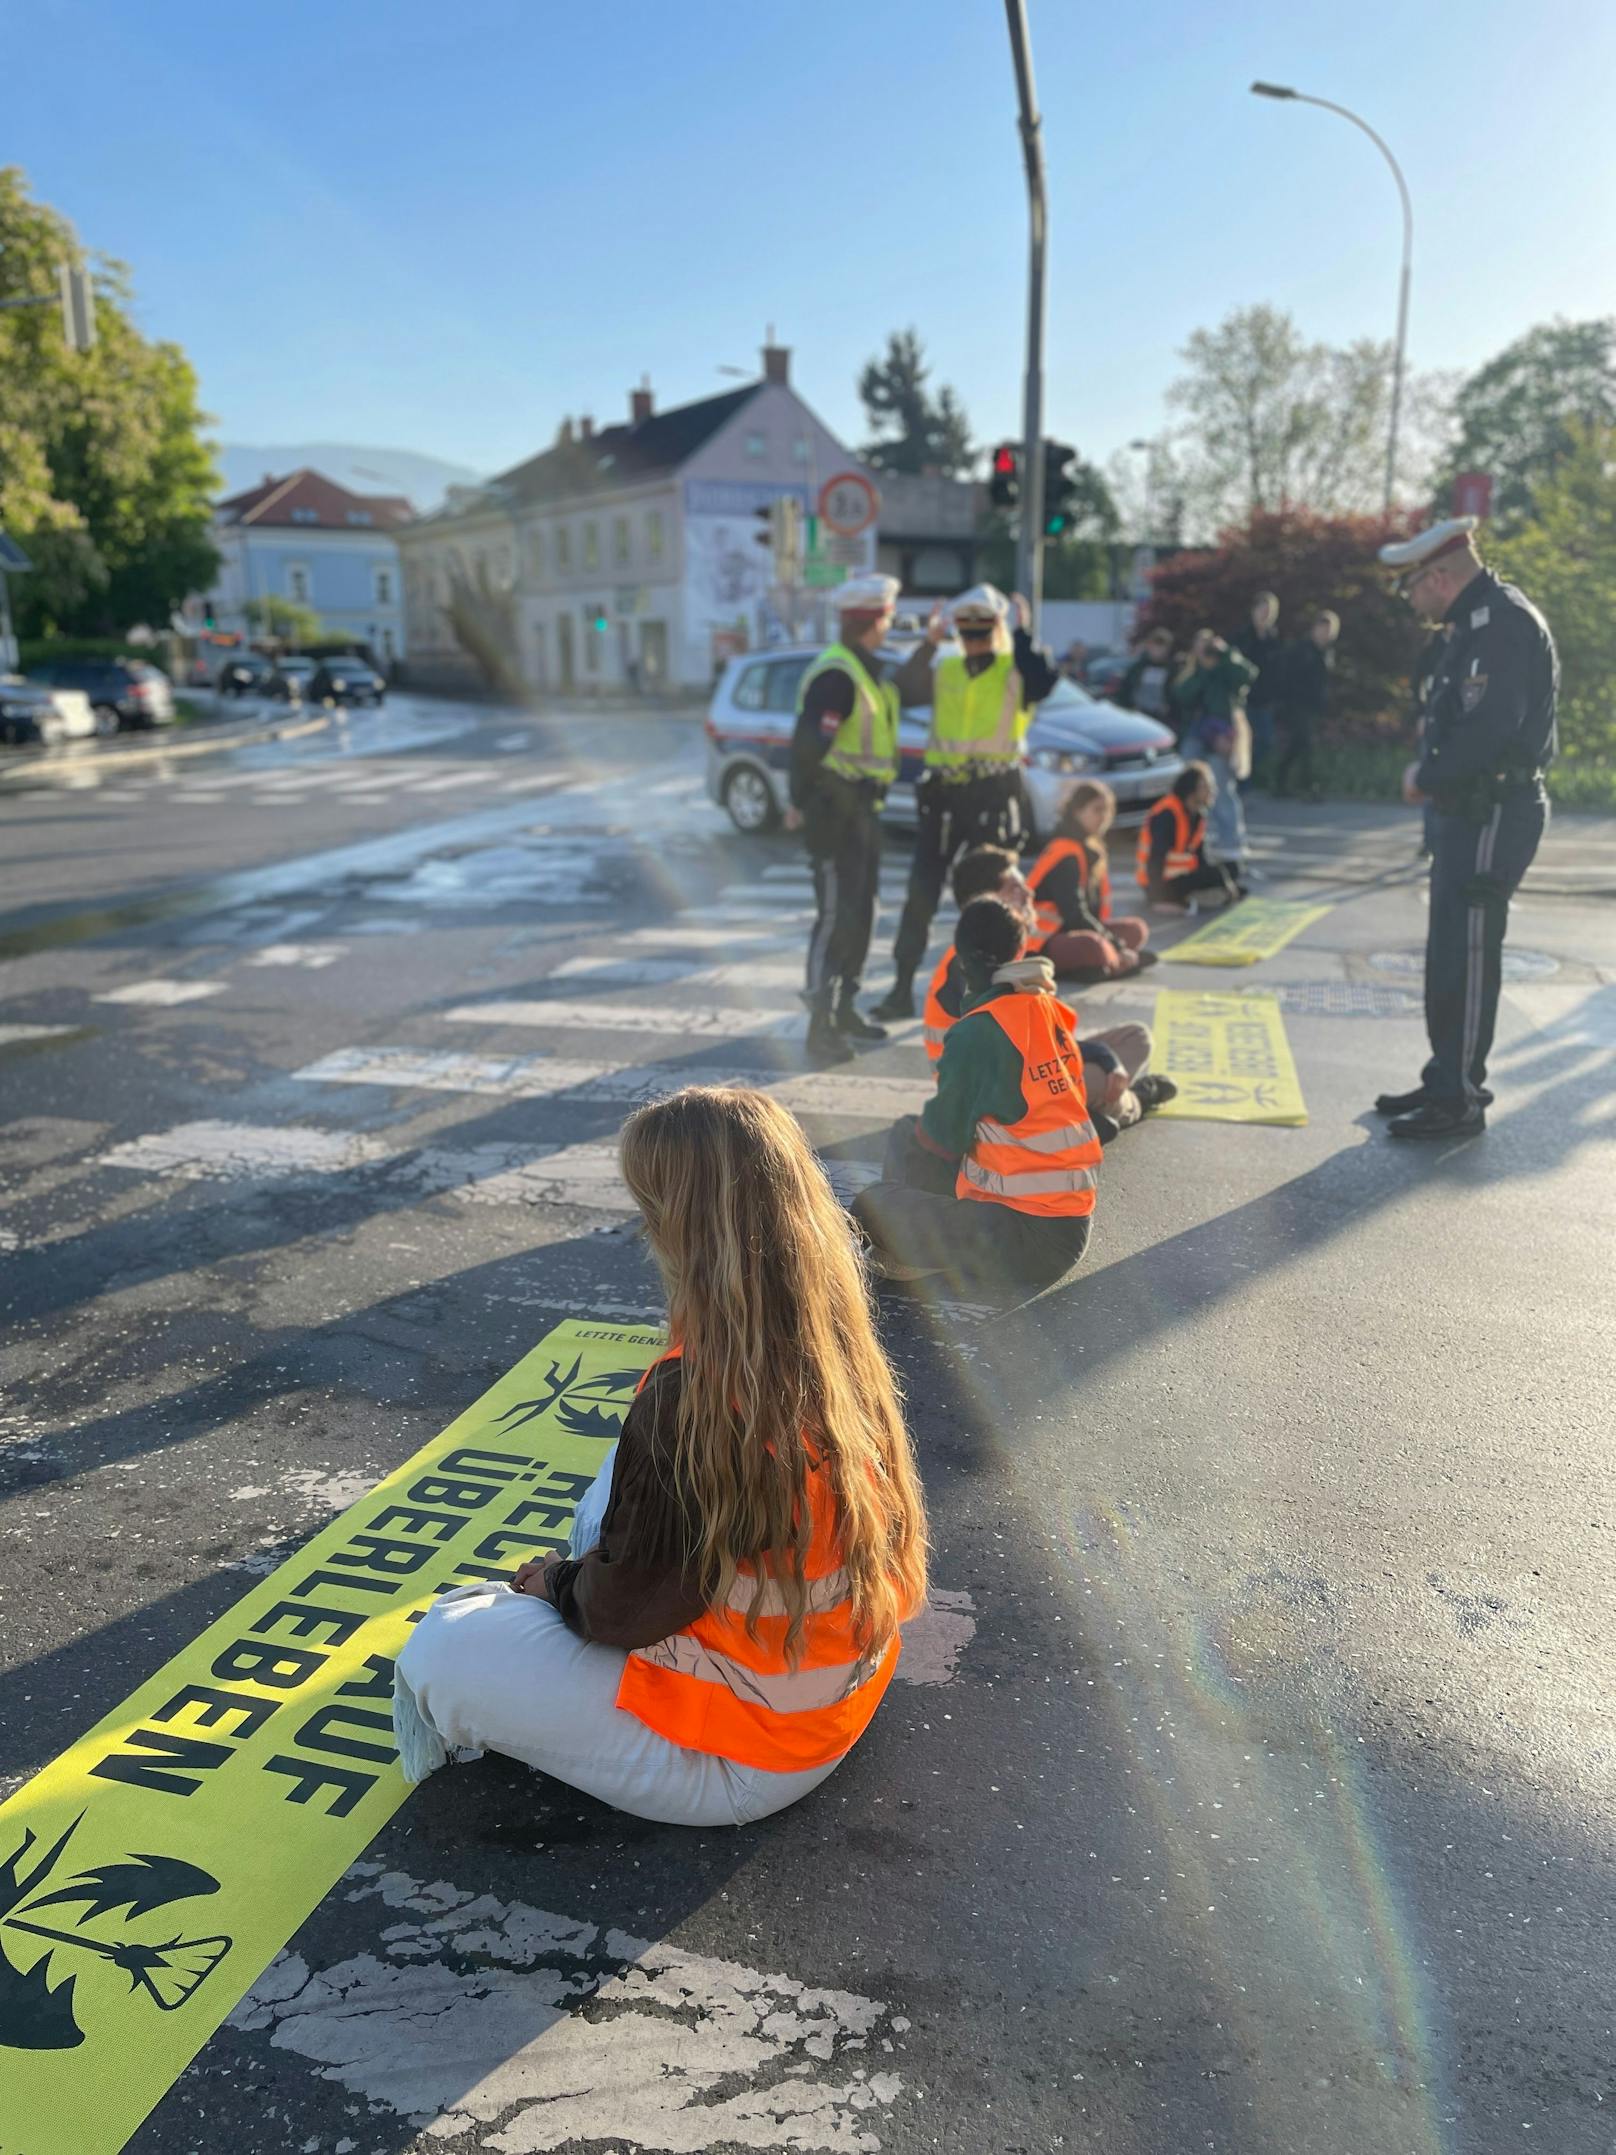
x=39, y=2001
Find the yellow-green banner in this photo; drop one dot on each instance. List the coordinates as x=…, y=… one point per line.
x=151, y=1873
x=1229, y=1057
x=1254, y=929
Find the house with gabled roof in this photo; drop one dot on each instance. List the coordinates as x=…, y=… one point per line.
x=629, y=556
x=304, y=538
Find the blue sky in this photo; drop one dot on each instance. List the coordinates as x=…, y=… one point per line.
x=441, y=228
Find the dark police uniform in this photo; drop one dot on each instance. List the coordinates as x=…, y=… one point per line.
x=1487, y=734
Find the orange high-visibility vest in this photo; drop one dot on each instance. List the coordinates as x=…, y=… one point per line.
x=715, y=1688
x=1096, y=874
x=1184, y=854
x=1046, y=1162
x=935, y=1020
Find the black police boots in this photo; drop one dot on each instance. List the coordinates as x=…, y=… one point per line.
x=1437, y=1120
x=1405, y=1103
x=899, y=1001
x=825, y=1044
x=851, y=1022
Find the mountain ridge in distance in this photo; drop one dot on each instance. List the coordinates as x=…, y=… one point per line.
x=423, y=480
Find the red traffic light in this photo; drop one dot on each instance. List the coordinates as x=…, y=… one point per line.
x=1004, y=460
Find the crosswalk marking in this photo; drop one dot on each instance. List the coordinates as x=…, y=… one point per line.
x=235, y=1150
x=653, y=972
x=311, y=956
x=604, y=1017
x=162, y=992
x=15, y=1035
x=805, y=1092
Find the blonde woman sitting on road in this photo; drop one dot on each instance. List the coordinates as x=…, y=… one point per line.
x=726, y=1621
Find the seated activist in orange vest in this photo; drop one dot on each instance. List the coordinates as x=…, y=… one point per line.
x=1173, y=870
x=727, y=1619
x=1114, y=1060
x=998, y=1185
x=1071, y=887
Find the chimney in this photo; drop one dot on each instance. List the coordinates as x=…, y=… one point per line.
x=639, y=402
x=777, y=361
x=564, y=433
x=586, y=427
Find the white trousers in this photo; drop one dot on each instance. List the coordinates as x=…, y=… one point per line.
x=489, y=1669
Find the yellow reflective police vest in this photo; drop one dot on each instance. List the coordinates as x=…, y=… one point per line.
x=866, y=743
x=976, y=718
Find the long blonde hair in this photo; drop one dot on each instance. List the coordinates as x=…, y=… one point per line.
x=782, y=1369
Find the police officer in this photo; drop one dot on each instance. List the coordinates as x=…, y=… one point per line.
x=970, y=791
x=844, y=756
x=1487, y=736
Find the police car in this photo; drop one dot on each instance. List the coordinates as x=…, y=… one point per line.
x=754, y=712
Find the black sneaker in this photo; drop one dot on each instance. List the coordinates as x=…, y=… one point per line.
x=898, y=1002
x=1153, y=1092
x=1436, y=1120
x=1148, y=958
x=852, y=1024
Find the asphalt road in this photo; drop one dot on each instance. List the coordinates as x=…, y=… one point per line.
x=1252, y=1786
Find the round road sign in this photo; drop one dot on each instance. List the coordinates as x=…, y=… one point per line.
x=849, y=504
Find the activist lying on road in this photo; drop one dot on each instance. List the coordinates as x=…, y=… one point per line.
x=726, y=1621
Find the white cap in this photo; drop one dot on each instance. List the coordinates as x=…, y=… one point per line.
x=1427, y=546
x=983, y=602
x=871, y=594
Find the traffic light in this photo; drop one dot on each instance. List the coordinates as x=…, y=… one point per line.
x=764, y=519
x=1004, y=488
x=782, y=533
x=1060, y=488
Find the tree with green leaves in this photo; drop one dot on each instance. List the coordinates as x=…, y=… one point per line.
x=286, y=621
x=1521, y=415
x=1273, y=423
x=105, y=479
x=914, y=430
x=1564, y=559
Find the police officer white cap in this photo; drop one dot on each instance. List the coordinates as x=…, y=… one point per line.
x=871, y=594
x=1407, y=556
x=983, y=602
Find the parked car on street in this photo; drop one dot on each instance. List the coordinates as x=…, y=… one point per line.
x=346, y=680
x=29, y=711
x=124, y=693
x=288, y=680
x=753, y=713
x=243, y=673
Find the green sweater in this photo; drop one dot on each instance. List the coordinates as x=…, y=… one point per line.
x=1214, y=691
x=980, y=1074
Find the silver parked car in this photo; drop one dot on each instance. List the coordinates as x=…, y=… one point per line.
x=31, y=711
x=1072, y=736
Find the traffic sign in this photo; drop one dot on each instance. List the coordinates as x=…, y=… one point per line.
x=849, y=503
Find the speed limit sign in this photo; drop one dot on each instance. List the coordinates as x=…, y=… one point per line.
x=849, y=503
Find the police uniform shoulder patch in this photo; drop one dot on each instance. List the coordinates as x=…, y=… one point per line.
x=1480, y=618
x=1472, y=691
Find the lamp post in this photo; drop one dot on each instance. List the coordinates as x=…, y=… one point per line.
x=1300, y=97
x=1149, y=468
x=1030, y=546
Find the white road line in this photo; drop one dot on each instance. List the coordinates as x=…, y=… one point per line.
x=585, y=1176
x=232, y=1151
x=162, y=992
x=447, y=782
x=313, y=956
x=604, y=1017
x=513, y=2026
x=743, y=974
x=15, y=1035
x=806, y=1092
x=688, y=933
x=934, y=1640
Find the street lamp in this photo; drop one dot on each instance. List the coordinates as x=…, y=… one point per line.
x=1300, y=97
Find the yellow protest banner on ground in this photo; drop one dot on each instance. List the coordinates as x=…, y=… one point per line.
x=1254, y=929
x=1229, y=1057
x=151, y=1873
